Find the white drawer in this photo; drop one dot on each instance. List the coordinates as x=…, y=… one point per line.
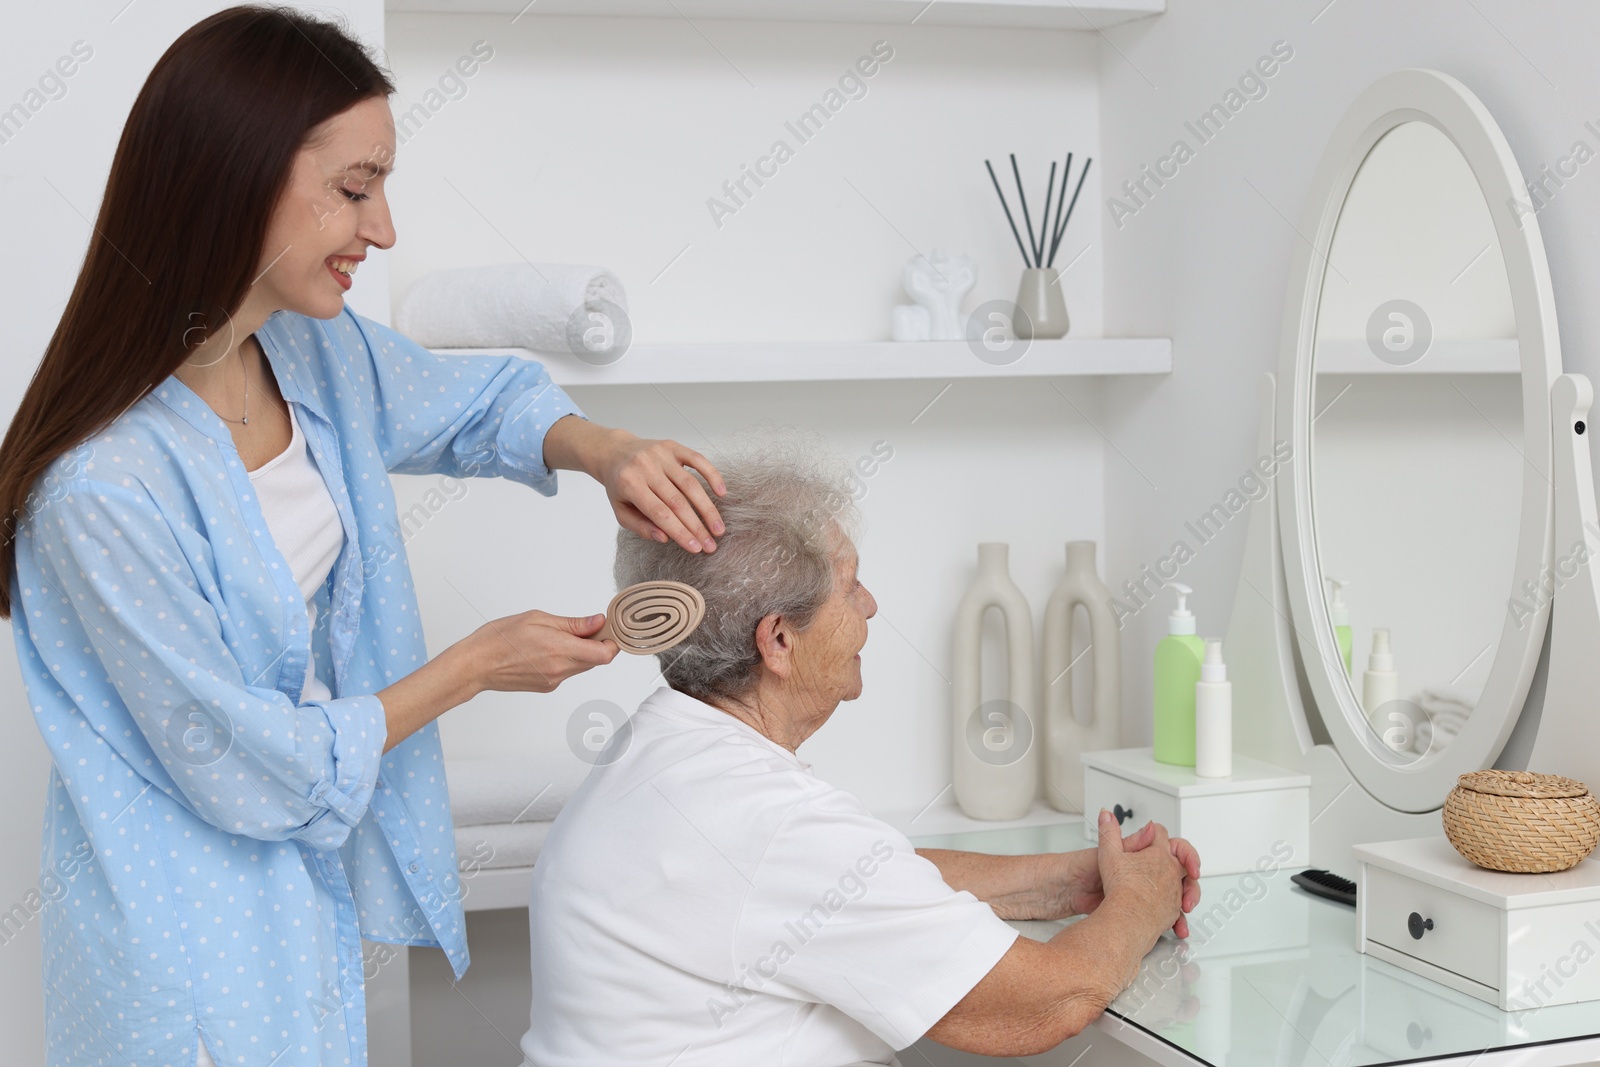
x=1464, y=936
x=1102, y=790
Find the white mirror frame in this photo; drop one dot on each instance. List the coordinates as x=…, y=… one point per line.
x=1441, y=101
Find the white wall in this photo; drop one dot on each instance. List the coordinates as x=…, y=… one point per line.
x=1204, y=261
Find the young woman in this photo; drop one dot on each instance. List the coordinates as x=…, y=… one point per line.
x=212, y=608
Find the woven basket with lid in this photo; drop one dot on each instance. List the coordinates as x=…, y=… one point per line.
x=1520, y=821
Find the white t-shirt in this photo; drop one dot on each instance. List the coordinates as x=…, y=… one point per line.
x=703, y=899
x=304, y=523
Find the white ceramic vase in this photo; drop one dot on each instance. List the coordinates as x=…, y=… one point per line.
x=995, y=745
x=1065, y=738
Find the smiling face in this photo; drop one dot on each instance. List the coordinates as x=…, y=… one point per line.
x=332, y=210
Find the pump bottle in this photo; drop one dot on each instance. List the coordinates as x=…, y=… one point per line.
x=1339, y=613
x=1177, y=670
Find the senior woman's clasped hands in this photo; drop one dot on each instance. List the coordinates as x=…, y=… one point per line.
x=1141, y=866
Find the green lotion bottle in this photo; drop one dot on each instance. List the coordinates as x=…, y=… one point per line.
x=1339, y=613
x=1177, y=669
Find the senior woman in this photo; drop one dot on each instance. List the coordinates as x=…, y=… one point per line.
x=208, y=584
x=704, y=899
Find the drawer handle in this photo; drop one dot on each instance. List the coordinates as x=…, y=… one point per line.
x=1122, y=813
x=1418, y=925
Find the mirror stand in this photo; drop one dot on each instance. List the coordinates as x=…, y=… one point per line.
x=1275, y=719
x=1567, y=742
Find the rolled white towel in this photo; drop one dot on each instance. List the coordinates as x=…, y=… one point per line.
x=490, y=791
x=548, y=307
x=1447, y=699
x=1446, y=711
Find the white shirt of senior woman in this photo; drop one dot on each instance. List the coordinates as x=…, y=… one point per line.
x=703, y=899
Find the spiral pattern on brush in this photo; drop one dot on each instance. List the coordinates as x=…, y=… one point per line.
x=651, y=617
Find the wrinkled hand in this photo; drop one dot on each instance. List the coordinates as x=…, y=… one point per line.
x=1084, y=890
x=1080, y=890
x=535, y=651
x=654, y=495
x=1185, y=854
x=1151, y=876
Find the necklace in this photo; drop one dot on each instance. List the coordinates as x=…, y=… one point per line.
x=245, y=419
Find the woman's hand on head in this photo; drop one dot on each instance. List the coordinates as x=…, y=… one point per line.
x=654, y=495
x=535, y=651
x=648, y=482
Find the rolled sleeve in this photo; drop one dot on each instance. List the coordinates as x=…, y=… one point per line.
x=348, y=793
x=463, y=416
x=102, y=564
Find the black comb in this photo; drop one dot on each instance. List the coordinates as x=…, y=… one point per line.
x=1325, y=884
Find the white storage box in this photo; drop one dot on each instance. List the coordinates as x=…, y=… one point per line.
x=1257, y=818
x=1518, y=941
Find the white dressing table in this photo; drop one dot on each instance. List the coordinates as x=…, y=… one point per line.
x=1275, y=981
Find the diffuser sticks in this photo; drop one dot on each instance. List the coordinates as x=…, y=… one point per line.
x=1041, y=252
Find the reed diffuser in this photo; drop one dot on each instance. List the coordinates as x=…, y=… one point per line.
x=1041, y=309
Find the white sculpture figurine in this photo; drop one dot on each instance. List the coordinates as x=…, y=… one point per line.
x=938, y=283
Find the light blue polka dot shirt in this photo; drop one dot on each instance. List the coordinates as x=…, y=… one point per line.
x=214, y=848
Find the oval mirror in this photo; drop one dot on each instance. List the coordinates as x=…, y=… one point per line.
x=1422, y=361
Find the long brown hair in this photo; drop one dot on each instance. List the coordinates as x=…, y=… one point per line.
x=207, y=151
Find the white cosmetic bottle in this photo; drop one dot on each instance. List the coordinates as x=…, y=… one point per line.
x=1213, y=716
x=1381, y=683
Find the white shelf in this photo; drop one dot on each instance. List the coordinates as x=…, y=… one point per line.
x=1446, y=355
x=672, y=364
x=1014, y=14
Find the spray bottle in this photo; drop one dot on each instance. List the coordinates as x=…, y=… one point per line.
x=1213, y=716
x=1381, y=683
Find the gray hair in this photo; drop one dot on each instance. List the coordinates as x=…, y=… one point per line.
x=789, y=502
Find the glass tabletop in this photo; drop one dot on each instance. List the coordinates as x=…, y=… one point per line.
x=1270, y=976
